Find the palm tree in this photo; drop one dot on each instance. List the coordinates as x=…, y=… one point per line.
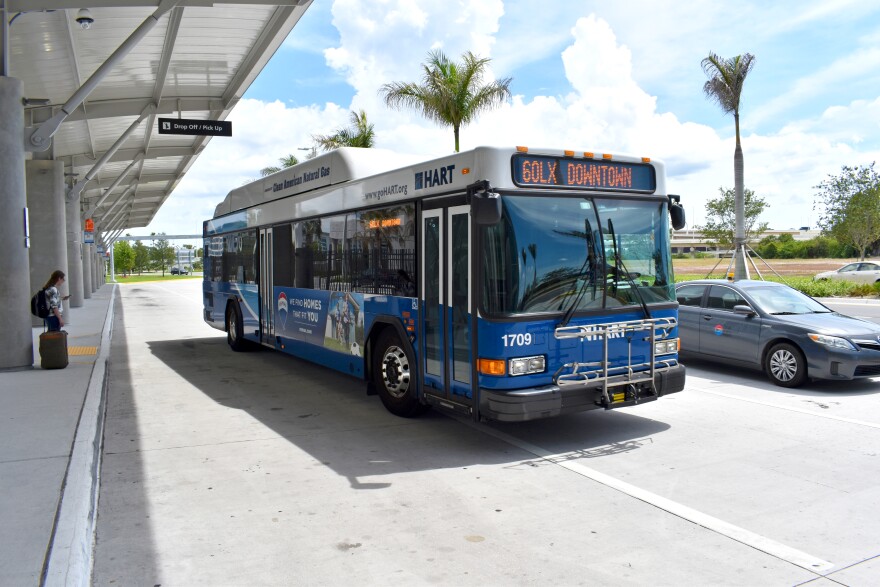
x=726, y=79
x=286, y=162
x=451, y=93
x=360, y=134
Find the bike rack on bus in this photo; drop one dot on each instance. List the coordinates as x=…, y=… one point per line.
x=629, y=374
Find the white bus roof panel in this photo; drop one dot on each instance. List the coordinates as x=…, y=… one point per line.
x=338, y=166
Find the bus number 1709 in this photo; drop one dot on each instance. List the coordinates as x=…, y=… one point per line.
x=517, y=339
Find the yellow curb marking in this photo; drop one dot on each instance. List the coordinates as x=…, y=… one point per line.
x=82, y=350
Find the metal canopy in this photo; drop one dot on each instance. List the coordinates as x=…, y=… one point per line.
x=195, y=62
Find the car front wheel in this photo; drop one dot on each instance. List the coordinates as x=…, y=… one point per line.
x=786, y=366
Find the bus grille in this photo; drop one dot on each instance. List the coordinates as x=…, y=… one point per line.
x=577, y=373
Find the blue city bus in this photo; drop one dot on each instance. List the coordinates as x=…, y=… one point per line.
x=504, y=284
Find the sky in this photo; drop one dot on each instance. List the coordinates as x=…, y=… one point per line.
x=620, y=77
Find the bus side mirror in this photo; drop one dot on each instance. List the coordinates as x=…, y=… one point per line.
x=486, y=208
x=676, y=212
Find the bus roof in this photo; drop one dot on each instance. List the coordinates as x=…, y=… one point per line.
x=337, y=166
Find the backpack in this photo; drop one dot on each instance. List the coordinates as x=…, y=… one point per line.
x=40, y=304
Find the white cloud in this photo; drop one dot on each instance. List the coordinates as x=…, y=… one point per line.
x=606, y=109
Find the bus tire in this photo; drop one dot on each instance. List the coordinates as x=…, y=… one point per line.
x=394, y=375
x=235, y=329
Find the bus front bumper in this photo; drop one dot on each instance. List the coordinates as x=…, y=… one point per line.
x=552, y=400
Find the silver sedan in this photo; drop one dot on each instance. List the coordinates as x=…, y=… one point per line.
x=861, y=272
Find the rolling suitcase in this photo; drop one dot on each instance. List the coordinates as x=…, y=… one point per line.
x=53, y=350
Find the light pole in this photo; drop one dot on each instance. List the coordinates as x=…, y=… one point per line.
x=313, y=151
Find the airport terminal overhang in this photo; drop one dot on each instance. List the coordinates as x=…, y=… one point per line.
x=134, y=61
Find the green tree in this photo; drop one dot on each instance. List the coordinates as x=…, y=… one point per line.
x=359, y=134
x=451, y=93
x=285, y=162
x=726, y=79
x=721, y=217
x=141, y=257
x=850, y=206
x=123, y=257
x=161, y=253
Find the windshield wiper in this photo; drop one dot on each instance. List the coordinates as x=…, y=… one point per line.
x=785, y=313
x=591, y=261
x=619, y=268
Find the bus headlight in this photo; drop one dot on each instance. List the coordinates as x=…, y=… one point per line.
x=665, y=347
x=527, y=365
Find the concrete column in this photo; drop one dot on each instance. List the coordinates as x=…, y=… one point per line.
x=45, y=199
x=74, y=252
x=87, y=271
x=96, y=274
x=17, y=350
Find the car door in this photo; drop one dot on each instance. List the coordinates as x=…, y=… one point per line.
x=848, y=272
x=725, y=333
x=690, y=299
x=868, y=272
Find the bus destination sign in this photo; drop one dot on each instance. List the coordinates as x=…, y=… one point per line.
x=544, y=171
x=186, y=126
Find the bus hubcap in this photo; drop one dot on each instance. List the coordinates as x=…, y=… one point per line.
x=395, y=371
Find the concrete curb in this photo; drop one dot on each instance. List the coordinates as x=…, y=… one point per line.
x=71, y=548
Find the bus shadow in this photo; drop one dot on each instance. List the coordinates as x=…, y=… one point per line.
x=329, y=415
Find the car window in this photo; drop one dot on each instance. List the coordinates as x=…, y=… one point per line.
x=850, y=267
x=724, y=298
x=690, y=295
x=868, y=267
x=785, y=300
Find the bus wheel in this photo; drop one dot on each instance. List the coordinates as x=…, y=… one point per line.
x=234, y=329
x=786, y=365
x=394, y=375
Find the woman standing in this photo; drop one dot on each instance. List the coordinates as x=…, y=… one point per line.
x=54, y=321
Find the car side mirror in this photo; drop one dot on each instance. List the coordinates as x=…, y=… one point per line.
x=744, y=310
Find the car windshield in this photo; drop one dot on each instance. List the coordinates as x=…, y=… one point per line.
x=784, y=300
x=552, y=254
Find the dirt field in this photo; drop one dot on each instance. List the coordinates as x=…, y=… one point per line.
x=786, y=267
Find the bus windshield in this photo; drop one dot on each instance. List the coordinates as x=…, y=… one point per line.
x=555, y=254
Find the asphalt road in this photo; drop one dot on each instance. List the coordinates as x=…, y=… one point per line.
x=226, y=468
x=864, y=309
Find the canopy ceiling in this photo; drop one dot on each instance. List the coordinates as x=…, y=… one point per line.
x=195, y=62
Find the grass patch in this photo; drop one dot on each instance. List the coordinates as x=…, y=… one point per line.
x=817, y=289
x=153, y=277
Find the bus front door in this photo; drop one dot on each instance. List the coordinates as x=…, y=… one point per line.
x=446, y=321
x=267, y=324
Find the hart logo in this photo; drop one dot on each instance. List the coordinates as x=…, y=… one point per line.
x=434, y=177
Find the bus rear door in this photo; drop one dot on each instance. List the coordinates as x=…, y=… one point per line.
x=446, y=340
x=267, y=324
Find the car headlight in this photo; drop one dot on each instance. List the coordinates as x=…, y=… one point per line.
x=527, y=365
x=832, y=341
x=665, y=347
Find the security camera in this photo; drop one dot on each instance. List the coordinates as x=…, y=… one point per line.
x=84, y=18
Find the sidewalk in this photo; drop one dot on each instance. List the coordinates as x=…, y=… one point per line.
x=50, y=433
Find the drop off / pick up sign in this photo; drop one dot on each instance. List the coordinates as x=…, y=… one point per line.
x=184, y=126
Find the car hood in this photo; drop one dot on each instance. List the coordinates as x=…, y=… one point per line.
x=826, y=274
x=834, y=324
